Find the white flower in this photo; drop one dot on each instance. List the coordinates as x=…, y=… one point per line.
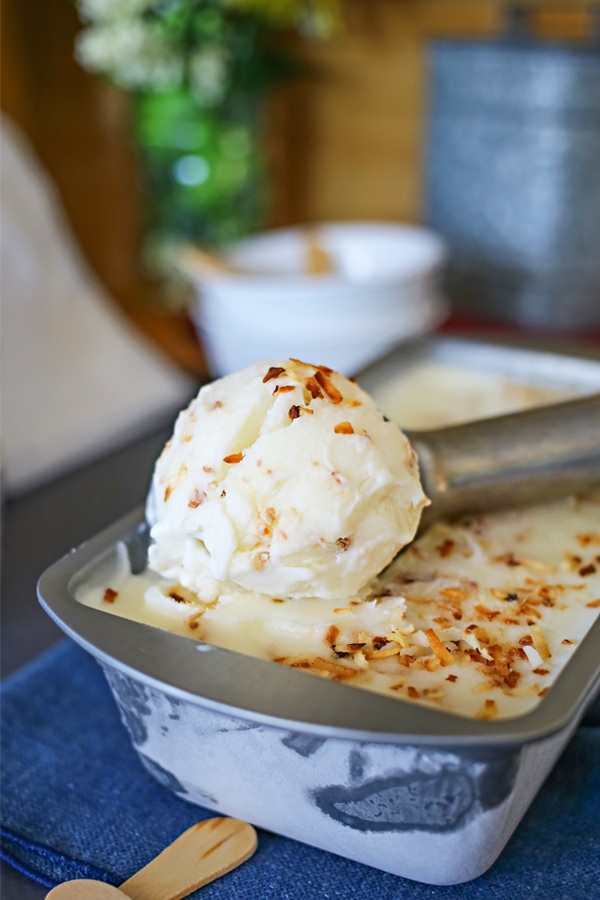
x=131, y=53
x=208, y=75
x=104, y=10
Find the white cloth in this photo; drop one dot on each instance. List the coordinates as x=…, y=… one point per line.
x=76, y=378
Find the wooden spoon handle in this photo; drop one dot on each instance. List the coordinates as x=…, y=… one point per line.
x=198, y=856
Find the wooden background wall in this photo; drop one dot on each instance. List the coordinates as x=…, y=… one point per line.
x=345, y=144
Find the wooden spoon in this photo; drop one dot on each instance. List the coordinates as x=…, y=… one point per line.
x=210, y=264
x=198, y=856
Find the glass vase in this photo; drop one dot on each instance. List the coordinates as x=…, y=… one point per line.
x=202, y=171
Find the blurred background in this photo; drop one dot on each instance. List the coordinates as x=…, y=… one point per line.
x=342, y=136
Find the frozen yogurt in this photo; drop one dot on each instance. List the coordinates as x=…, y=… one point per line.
x=282, y=479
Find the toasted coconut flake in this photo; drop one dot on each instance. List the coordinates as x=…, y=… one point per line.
x=593, y=604
x=512, y=678
x=332, y=634
x=283, y=388
x=273, y=372
x=383, y=652
x=442, y=653
x=340, y=610
x=360, y=660
x=540, y=644
x=296, y=411
x=299, y=362
x=453, y=594
x=313, y=387
x=110, y=595
x=233, y=458
x=413, y=692
x=590, y=569
x=509, y=559
x=343, y=543
x=452, y=678
x=571, y=562
x=431, y=663
x=335, y=669
x=489, y=614
x=398, y=638
x=328, y=386
x=343, y=428
x=529, y=610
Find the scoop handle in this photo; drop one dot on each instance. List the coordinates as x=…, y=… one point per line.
x=528, y=457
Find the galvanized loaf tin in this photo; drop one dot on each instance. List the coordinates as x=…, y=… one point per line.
x=408, y=789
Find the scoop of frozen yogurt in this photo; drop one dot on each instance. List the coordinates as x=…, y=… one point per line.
x=282, y=479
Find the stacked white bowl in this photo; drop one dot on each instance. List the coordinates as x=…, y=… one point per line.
x=380, y=285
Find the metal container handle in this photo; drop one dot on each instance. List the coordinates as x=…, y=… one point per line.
x=529, y=457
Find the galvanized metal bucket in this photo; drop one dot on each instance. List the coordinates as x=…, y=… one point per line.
x=513, y=177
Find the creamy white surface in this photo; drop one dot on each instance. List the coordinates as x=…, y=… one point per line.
x=503, y=593
x=285, y=479
x=432, y=394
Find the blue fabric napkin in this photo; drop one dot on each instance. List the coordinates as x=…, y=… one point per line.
x=76, y=803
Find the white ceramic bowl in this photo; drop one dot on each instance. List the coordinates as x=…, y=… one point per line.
x=384, y=288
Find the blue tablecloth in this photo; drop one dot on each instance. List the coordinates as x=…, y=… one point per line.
x=77, y=804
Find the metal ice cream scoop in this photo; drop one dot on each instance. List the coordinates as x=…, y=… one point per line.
x=514, y=460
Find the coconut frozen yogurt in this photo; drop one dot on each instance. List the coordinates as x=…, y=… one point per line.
x=276, y=509
x=282, y=479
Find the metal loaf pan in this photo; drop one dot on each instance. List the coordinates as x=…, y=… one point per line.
x=411, y=790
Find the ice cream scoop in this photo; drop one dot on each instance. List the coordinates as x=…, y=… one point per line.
x=282, y=479
x=514, y=460
x=285, y=479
